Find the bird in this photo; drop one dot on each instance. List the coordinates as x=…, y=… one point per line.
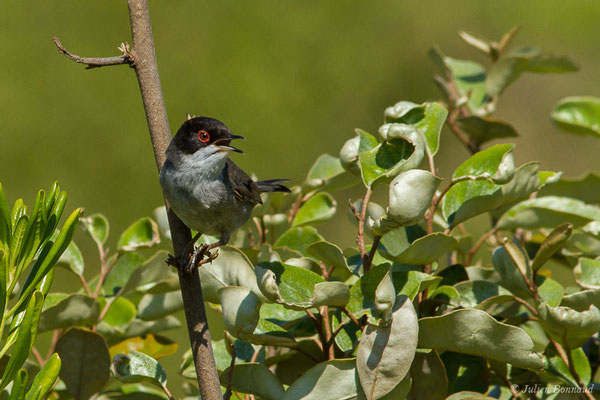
x=205, y=188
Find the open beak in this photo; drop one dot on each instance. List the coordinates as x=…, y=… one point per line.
x=223, y=144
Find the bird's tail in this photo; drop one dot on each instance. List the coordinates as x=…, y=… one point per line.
x=272, y=185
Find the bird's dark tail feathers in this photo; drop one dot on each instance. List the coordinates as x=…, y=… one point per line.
x=272, y=185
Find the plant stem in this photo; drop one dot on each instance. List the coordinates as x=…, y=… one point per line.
x=327, y=331
x=85, y=285
x=478, y=244
x=352, y=317
x=227, y=394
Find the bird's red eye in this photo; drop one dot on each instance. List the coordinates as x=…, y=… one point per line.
x=203, y=136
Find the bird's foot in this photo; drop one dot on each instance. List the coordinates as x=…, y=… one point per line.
x=197, y=258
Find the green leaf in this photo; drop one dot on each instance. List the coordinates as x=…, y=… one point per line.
x=468, y=199
x=495, y=164
x=85, y=362
x=18, y=239
x=385, y=354
x=121, y=312
x=425, y=369
x=474, y=292
x=142, y=233
x=241, y=310
x=510, y=275
x=548, y=211
x=569, y=327
x=579, y=115
x=410, y=281
x=119, y=275
x=5, y=224
x=3, y=280
x=137, y=327
x=328, y=253
x=551, y=244
x=466, y=395
x=253, y=378
x=298, y=288
x=25, y=335
x=97, y=227
x=466, y=372
x=328, y=172
x=484, y=129
x=329, y=380
x=155, y=306
x=469, y=78
x=587, y=273
x=319, y=208
x=428, y=118
x=298, y=239
x=50, y=254
x=581, y=301
x=581, y=364
x=73, y=259
x=585, y=188
x=475, y=332
x=410, y=195
x=75, y=310
x=549, y=290
x=508, y=69
x=151, y=276
x=44, y=380
x=231, y=268
x=362, y=293
x=17, y=392
x=403, y=149
x=137, y=367
x=426, y=249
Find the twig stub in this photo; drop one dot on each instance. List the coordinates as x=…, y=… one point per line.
x=96, y=62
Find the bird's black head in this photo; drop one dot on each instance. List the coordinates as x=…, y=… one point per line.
x=201, y=132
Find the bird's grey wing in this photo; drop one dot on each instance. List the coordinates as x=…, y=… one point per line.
x=244, y=188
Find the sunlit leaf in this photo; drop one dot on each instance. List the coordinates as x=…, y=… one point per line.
x=142, y=233
x=317, y=209
x=579, y=115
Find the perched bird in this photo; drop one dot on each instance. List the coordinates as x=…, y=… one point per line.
x=205, y=189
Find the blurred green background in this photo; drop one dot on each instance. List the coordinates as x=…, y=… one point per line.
x=295, y=78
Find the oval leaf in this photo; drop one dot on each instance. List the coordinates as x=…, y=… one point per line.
x=317, y=209
x=477, y=333
x=85, y=362
x=579, y=115
x=253, y=378
x=142, y=233
x=385, y=354
x=410, y=195
x=138, y=367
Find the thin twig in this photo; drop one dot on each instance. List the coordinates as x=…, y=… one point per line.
x=297, y=204
x=368, y=260
x=55, y=337
x=327, y=331
x=360, y=238
x=352, y=317
x=320, y=331
x=452, y=124
x=478, y=244
x=526, y=304
x=227, y=394
x=167, y=392
x=38, y=356
x=95, y=62
x=85, y=285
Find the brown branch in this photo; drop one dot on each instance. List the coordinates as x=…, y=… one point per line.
x=320, y=331
x=85, y=285
x=478, y=244
x=40, y=360
x=142, y=59
x=352, y=317
x=327, y=330
x=451, y=122
x=95, y=62
x=227, y=394
x=368, y=259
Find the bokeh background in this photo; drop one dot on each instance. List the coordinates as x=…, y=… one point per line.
x=295, y=78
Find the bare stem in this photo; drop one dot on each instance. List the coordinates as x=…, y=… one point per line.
x=95, y=62
x=478, y=244
x=327, y=347
x=352, y=317
x=368, y=260
x=85, y=285
x=227, y=394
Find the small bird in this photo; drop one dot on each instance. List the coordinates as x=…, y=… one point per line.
x=205, y=189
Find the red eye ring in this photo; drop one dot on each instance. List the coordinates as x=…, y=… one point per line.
x=203, y=136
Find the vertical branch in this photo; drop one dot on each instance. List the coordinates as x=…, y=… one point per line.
x=146, y=70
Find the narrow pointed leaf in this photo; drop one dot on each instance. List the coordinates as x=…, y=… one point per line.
x=553, y=243
x=45, y=378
